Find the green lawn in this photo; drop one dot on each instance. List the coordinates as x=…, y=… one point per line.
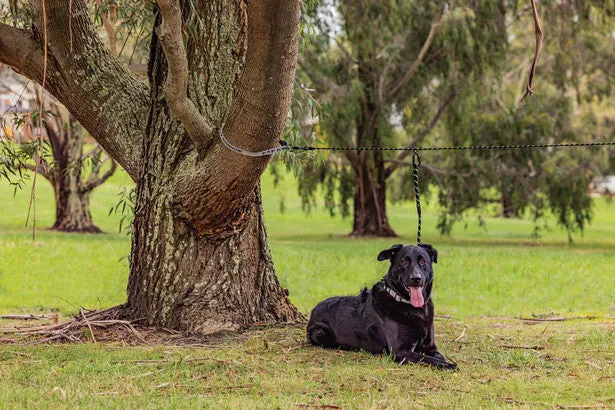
x=481, y=273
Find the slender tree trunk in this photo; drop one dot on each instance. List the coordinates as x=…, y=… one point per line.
x=370, y=213
x=370, y=217
x=507, y=206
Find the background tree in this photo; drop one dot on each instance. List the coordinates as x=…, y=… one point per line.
x=60, y=158
x=574, y=105
x=200, y=259
x=381, y=63
x=58, y=149
x=465, y=76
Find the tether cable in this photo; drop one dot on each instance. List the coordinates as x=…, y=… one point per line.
x=458, y=148
x=284, y=146
x=416, y=158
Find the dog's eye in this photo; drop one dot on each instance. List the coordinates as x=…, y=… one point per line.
x=422, y=262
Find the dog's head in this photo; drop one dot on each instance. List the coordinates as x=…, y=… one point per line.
x=411, y=271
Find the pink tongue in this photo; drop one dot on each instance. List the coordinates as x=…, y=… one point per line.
x=416, y=297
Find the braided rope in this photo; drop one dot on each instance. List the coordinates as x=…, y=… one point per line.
x=460, y=148
x=416, y=159
x=416, y=162
x=285, y=147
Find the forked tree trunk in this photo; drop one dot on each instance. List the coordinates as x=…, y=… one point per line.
x=200, y=260
x=72, y=187
x=200, y=257
x=72, y=201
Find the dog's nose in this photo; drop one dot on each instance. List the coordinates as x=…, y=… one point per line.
x=415, y=279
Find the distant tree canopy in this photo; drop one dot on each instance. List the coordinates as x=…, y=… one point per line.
x=416, y=73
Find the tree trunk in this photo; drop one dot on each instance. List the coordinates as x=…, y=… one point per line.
x=370, y=217
x=370, y=214
x=66, y=174
x=508, y=209
x=182, y=280
x=73, y=210
x=198, y=278
x=200, y=258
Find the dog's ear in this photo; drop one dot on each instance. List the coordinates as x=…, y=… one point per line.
x=433, y=253
x=390, y=253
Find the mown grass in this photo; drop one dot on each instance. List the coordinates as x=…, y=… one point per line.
x=500, y=271
x=504, y=362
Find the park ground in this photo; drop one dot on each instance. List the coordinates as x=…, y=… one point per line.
x=530, y=322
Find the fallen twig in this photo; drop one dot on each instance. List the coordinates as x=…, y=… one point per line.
x=463, y=333
x=88, y=323
x=536, y=347
x=26, y=317
x=555, y=319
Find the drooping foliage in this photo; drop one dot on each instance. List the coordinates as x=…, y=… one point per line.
x=466, y=91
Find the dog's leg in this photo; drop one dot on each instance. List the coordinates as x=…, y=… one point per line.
x=429, y=346
x=320, y=334
x=408, y=356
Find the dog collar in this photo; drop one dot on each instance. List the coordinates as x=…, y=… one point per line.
x=395, y=295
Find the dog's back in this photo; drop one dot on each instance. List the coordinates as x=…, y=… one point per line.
x=344, y=322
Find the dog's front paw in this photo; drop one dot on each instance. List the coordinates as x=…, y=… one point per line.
x=446, y=365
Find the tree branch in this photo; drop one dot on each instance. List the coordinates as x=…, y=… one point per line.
x=433, y=31
x=322, y=81
x=94, y=180
x=404, y=154
x=268, y=35
x=43, y=169
x=109, y=101
x=538, y=33
x=176, y=85
x=19, y=50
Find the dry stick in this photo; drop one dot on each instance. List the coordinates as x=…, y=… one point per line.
x=25, y=317
x=87, y=322
x=538, y=32
x=537, y=347
x=463, y=333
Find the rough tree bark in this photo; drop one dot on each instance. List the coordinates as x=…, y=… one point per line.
x=200, y=259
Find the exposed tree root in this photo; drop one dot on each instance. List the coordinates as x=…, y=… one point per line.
x=109, y=326
x=81, y=329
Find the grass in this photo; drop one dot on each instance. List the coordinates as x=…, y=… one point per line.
x=485, y=281
x=504, y=362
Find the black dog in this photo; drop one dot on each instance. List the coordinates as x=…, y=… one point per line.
x=395, y=316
